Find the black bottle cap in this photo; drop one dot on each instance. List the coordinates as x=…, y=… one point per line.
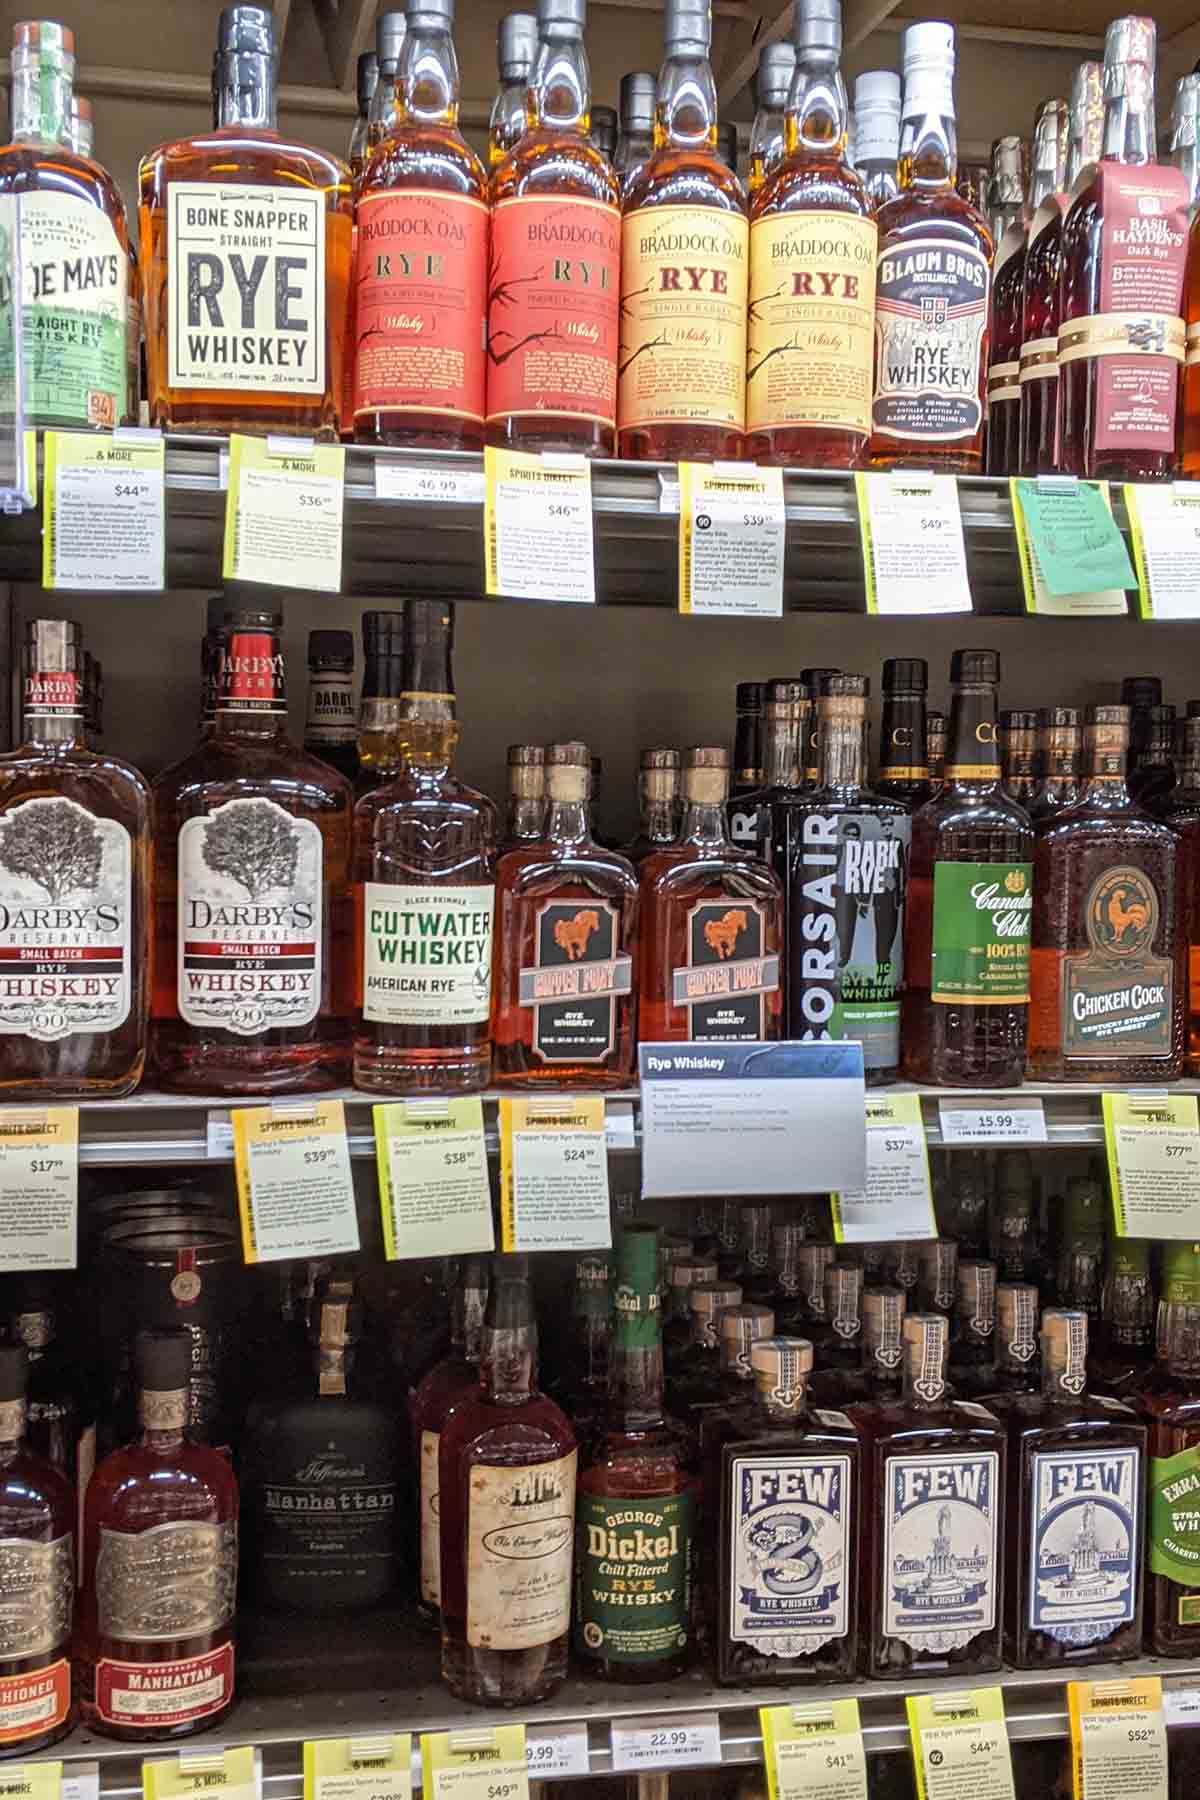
x=246, y=31
x=812, y=679
x=853, y=687
x=786, y=691
x=163, y=1360
x=383, y=632
x=251, y=618
x=429, y=622
x=366, y=79
x=14, y=1372
x=905, y=672
x=1141, y=690
x=749, y=696
x=727, y=145
x=331, y=646
x=975, y=665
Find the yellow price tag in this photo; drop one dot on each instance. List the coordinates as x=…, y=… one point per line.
x=538, y=527
x=104, y=512
x=554, y=1174
x=814, y=1752
x=1118, y=1739
x=484, y=1764
x=897, y=1201
x=1152, y=1141
x=39, y=1178
x=732, y=525
x=375, y=1767
x=295, y=1188
x=434, y=1192
x=283, y=513
x=960, y=1745
x=233, y=1774
x=31, y=1781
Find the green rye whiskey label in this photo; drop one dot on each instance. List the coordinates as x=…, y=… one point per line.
x=75, y=298
x=1175, y=1517
x=981, y=916
x=633, y=1576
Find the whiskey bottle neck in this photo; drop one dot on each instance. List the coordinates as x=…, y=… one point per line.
x=685, y=116
x=526, y=816
x=47, y=732
x=510, y=116
x=244, y=90
x=508, y=1362
x=781, y=749
x=12, y=1429
x=817, y=111
x=569, y=822
x=704, y=823
x=1129, y=128
x=41, y=95
x=973, y=753
x=843, y=751
x=902, y=749
x=928, y=160
x=427, y=73
x=559, y=96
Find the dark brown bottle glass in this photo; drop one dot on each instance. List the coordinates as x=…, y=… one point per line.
x=1060, y=753
x=452, y=1379
x=1180, y=807
x=1172, y=1407
x=1009, y=220
x=903, y=764
x=1123, y=1356
x=1019, y=755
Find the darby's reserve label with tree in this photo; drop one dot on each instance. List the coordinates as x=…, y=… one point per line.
x=553, y=308
x=811, y=323
x=576, y=981
x=251, y=920
x=981, y=920
x=728, y=976
x=420, y=293
x=65, y=920
x=427, y=953
x=930, y=317
x=520, y=1536
x=634, y=1576
x=684, y=279
x=246, y=288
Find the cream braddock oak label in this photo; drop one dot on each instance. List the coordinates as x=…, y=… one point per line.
x=427, y=953
x=684, y=279
x=811, y=321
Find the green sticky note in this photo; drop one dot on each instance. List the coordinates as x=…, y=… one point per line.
x=1075, y=536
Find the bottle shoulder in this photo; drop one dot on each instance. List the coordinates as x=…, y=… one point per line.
x=479, y=1428
x=245, y=156
x=33, y=167
x=805, y=183
x=541, y=869
x=675, y=177
x=943, y=214
x=79, y=775
x=428, y=158
x=677, y=873
x=548, y=164
x=975, y=808
x=219, y=770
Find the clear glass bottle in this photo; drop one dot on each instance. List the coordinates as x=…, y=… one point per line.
x=516, y=53
x=877, y=108
x=635, y=137
x=768, y=134
x=658, y=804
x=526, y=822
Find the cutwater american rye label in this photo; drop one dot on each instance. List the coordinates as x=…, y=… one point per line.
x=981, y=918
x=939, y=1549
x=789, y=1545
x=633, y=1576
x=427, y=953
x=1084, y=1546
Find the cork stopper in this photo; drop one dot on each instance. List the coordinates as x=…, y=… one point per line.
x=526, y=771
x=1016, y=1319
x=781, y=1367
x=1064, y=1348
x=926, y=1338
x=712, y=1297
x=741, y=1327
x=660, y=774
x=568, y=772
x=975, y=1298
x=883, y=1310
x=706, y=776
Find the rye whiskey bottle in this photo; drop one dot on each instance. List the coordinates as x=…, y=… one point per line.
x=635, y=1531
x=635, y=138
x=768, y=134
x=245, y=259
x=1108, y=967
x=1172, y=1407
x=1060, y=753
x=1015, y=1370
x=748, y=738
x=761, y=817
x=380, y=704
x=1009, y=220
x=506, y=1474
x=37, y=1560
x=424, y=881
x=877, y=109
x=684, y=267
x=526, y=821
x=452, y=1379
x=1121, y=334
x=658, y=803
x=1124, y=1350
x=966, y=958
x=812, y=274
x=567, y=925
x=516, y=53
x=903, y=765
x=935, y=252
x=554, y=268
x=934, y=1559
x=1037, y=300
x=154, y=1649
x=330, y=731
x=1019, y=754
x=712, y=925
x=74, y=862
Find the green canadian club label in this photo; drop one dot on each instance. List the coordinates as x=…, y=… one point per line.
x=981, y=918
x=633, y=1576
x=1175, y=1518
x=427, y=953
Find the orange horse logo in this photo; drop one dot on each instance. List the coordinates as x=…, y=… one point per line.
x=722, y=934
x=572, y=935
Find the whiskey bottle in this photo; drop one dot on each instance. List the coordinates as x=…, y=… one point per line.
x=966, y=953
x=1041, y=298
x=768, y=134
x=321, y=1477
x=516, y=53
x=1019, y=755
x=696, y=1378
x=37, y=1530
x=526, y=822
x=1075, y=1499
x=658, y=804
x=1108, y=969
x=1141, y=694
x=1172, y=1410
x=252, y=907
x=740, y=1327
x=154, y=1648
x=603, y=134
x=1123, y=1356
x=903, y=766
x=681, y=391
x=810, y=737
x=506, y=1461
x=962, y=1214
x=75, y=332
x=936, y=725
x=81, y=127
x=688, y=1272
x=751, y=1268
x=635, y=133
x=638, y=1492
x=973, y=1340
x=391, y=28
x=380, y=704
x=712, y=925
x=554, y=267
x=1152, y=773
x=1121, y=334
x=748, y=770
x=567, y=931
x=934, y=1555
x=935, y=252
x=812, y=274
x=1080, y=1264
x=1060, y=755
x=1180, y=807
x=245, y=259
x=1184, y=149
x=366, y=80
x=837, y=1344
x=74, y=930
x=761, y=817
x=844, y=890
x=366, y=84
x=331, y=729
x=877, y=110
x=60, y=1424
x=1008, y=222
x=1015, y=1370
x=881, y=1345
x=580, y=1379
x=783, y=1481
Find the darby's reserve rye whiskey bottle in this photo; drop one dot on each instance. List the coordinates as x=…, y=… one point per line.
x=245, y=259
x=684, y=269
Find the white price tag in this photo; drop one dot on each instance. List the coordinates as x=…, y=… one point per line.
x=538, y=527
x=295, y=1188
x=283, y=513
x=556, y=1752
x=914, y=560
x=81, y=1781
x=1153, y=1145
x=39, y=1182
x=409, y=481
x=554, y=1174
x=105, y=512
x=732, y=526
x=1181, y=1706
x=1021, y=1120
x=686, y=1740
x=218, y=1135
x=1164, y=522
x=897, y=1201
x=433, y=1177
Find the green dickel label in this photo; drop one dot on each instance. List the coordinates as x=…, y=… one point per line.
x=1175, y=1518
x=633, y=1576
x=981, y=917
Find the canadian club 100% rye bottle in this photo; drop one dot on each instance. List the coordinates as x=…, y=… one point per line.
x=965, y=1012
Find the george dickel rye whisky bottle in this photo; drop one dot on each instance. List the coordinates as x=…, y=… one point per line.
x=75, y=919
x=245, y=259
x=253, y=914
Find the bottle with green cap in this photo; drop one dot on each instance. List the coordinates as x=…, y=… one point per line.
x=638, y=1491
x=782, y=1486
x=1172, y=1408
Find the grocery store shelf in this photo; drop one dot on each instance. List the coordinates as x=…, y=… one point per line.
x=431, y=546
